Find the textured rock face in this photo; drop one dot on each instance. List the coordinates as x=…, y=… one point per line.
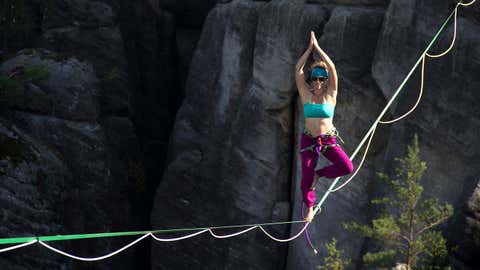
x=194, y=166
x=234, y=149
x=133, y=50
x=71, y=93
x=234, y=146
x=471, y=243
x=447, y=120
x=107, y=34
x=59, y=180
x=77, y=125
x=88, y=31
x=32, y=190
x=232, y=143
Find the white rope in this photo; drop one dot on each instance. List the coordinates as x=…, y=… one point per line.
x=19, y=246
x=454, y=30
x=360, y=165
x=467, y=4
x=453, y=39
x=94, y=258
x=422, y=81
x=230, y=235
x=178, y=238
x=418, y=99
x=288, y=239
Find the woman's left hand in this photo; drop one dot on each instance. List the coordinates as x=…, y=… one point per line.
x=315, y=41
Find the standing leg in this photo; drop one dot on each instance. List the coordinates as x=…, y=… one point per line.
x=309, y=161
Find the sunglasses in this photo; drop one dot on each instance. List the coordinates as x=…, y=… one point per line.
x=320, y=79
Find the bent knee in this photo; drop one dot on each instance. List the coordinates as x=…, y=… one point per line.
x=347, y=167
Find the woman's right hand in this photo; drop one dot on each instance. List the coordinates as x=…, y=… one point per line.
x=312, y=39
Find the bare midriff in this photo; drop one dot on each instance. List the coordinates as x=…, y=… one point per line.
x=318, y=126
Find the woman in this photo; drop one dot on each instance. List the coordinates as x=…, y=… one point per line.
x=319, y=100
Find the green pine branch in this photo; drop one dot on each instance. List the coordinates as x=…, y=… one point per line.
x=335, y=259
x=406, y=227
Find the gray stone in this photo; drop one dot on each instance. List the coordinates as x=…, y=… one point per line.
x=447, y=119
x=32, y=191
x=88, y=31
x=245, y=105
x=220, y=151
x=77, y=13
x=70, y=91
x=234, y=149
x=351, y=36
x=198, y=166
x=60, y=174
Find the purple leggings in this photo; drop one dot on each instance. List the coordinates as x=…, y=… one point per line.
x=341, y=163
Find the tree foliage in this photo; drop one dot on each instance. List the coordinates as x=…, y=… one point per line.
x=405, y=228
x=335, y=259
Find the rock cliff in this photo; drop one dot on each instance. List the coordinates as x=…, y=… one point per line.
x=85, y=171
x=58, y=170
x=166, y=114
x=235, y=139
x=98, y=129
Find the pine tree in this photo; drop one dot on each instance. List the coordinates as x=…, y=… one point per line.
x=405, y=226
x=334, y=259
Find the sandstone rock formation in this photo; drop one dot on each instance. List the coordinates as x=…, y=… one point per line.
x=84, y=150
x=77, y=124
x=447, y=121
x=136, y=54
x=56, y=174
x=234, y=140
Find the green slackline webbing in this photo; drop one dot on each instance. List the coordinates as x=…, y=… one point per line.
x=18, y=240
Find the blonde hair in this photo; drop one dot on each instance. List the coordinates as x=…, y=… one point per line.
x=319, y=63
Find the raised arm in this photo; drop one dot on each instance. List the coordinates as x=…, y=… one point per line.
x=332, y=72
x=300, y=79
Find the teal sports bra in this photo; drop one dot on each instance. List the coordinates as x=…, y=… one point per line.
x=319, y=110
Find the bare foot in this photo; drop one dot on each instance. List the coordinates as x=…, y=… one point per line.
x=309, y=216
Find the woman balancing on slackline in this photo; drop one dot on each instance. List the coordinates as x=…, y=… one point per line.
x=319, y=100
